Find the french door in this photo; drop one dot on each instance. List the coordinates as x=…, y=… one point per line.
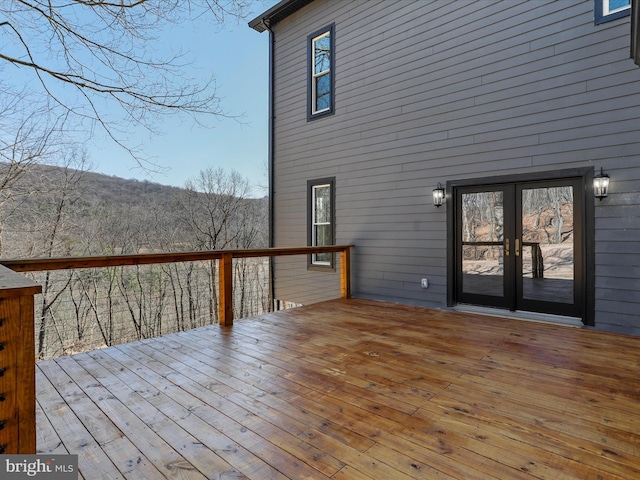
x=519, y=246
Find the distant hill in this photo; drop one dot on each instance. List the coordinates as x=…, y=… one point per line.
x=91, y=208
x=108, y=188
x=112, y=189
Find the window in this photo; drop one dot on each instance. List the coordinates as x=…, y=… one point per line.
x=321, y=196
x=320, y=76
x=606, y=10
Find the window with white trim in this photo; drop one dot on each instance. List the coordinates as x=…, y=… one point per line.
x=321, y=78
x=607, y=10
x=321, y=219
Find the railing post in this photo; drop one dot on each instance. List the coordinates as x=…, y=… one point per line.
x=17, y=364
x=225, y=289
x=345, y=273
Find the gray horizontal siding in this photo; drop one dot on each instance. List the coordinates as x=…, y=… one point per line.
x=294, y=284
x=431, y=91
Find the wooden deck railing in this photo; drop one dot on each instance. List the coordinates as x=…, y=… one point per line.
x=17, y=350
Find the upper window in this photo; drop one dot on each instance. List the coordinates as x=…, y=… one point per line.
x=320, y=68
x=321, y=219
x=606, y=10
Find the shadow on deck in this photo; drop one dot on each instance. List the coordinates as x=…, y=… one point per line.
x=350, y=390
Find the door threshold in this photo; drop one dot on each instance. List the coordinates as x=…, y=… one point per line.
x=521, y=315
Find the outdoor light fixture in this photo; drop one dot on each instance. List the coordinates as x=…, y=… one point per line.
x=438, y=195
x=600, y=185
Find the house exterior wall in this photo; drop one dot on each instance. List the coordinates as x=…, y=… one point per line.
x=438, y=91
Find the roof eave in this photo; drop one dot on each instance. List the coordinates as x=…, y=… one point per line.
x=275, y=14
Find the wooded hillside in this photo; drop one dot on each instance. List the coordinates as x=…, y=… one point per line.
x=53, y=212
x=56, y=211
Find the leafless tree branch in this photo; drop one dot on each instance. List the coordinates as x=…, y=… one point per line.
x=98, y=61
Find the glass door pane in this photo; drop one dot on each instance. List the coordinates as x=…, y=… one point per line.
x=482, y=243
x=547, y=249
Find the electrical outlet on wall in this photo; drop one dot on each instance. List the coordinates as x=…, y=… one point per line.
x=424, y=283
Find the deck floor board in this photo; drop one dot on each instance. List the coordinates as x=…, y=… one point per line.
x=351, y=390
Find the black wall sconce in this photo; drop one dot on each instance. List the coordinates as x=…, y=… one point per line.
x=601, y=185
x=438, y=195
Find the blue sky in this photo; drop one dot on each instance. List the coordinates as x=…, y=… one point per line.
x=238, y=57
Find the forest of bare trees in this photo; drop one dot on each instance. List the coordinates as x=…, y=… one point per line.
x=67, y=211
x=69, y=71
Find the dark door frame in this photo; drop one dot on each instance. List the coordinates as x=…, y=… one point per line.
x=588, y=238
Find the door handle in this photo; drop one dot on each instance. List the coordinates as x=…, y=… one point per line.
x=517, y=247
x=506, y=248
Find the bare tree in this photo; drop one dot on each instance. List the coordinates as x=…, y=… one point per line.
x=85, y=58
x=48, y=237
x=212, y=204
x=210, y=209
x=28, y=136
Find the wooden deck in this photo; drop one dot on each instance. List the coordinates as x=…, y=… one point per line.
x=351, y=390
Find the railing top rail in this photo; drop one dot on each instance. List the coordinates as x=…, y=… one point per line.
x=67, y=263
